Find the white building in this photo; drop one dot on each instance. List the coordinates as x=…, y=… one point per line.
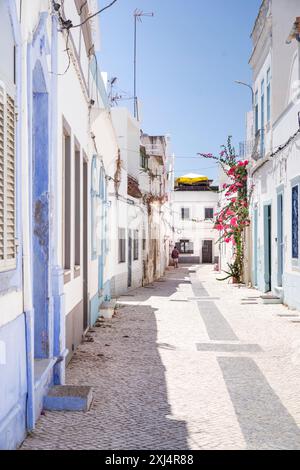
x=194, y=206
x=138, y=199
x=57, y=149
x=275, y=172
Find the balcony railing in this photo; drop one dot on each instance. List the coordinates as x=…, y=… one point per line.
x=259, y=145
x=254, y=148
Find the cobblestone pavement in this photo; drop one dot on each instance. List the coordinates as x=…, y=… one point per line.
x=187, y=363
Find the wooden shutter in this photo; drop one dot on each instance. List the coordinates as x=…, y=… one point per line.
x=2, y=148
x=7, y=180
x=10, y=179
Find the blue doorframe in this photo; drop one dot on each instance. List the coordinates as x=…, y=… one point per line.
x=99, y=233
x=255, y=245
x=280, y=240
x=40, y=213
x=267, y=247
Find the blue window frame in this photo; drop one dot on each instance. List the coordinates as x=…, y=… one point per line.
x=256, y=112
x=268, y=95
x=262, y=118
x=295, y=222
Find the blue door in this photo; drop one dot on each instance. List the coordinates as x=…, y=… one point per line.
x=267, y=247
x=280, y=238
x=255, y=239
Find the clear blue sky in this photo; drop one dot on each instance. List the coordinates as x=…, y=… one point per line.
x=189, y=55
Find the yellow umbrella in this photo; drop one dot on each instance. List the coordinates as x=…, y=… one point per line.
x=191, y=178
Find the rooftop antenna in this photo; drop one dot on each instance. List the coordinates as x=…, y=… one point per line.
x=137, y=14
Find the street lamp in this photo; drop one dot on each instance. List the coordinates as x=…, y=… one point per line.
x=247, y=85
x=137, y=17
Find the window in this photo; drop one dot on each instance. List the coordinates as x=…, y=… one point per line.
x=136, y=244
x=262, y=118
x=209, y=213
x=122, y=245
x=185, y=213
x=256, y=111
x=295, y=222
x=77, y=206
x=185, y=247
x=268, y=95
x=143, y=158
x=67, y=197
x=7, y=180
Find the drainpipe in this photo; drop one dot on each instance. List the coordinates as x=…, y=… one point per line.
x=26, y=259
x=56, y=286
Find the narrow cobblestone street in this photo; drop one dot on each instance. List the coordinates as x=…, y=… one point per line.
x=186, y=363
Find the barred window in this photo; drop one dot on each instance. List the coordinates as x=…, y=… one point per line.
x=7, y=180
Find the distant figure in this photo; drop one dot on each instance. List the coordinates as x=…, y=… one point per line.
x=175, y=256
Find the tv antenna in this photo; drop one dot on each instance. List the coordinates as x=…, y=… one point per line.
x=137, y=14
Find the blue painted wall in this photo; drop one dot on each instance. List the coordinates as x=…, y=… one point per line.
x=41, y=215
x=13, y=389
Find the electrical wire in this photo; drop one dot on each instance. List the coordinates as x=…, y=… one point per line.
x=283, y=146
x=93, y=15
x=69, y=55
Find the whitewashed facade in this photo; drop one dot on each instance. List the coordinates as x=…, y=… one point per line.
x=275, y=172
x=193, y=220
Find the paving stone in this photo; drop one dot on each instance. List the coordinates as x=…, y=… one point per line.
x=153, y=389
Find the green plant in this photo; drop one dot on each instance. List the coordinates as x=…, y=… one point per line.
x=233, y=217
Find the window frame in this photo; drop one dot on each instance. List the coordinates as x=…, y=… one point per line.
x=182, y=212
x=144, y=159
x=268, y=95
x=256, y=108
x=295, y=183
x=67, y=199
x=185, y=242
x=77, y=178
x=136, y=245
x=121, y=245
x=262, y=117
x=208, y=209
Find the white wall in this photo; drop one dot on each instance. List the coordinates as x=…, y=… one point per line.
x=276, y=174
x=199, y=229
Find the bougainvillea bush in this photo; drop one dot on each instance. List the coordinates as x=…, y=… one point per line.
x=233, y=217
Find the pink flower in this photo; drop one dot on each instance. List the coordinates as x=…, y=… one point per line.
x=234, y=222
x=224, y=185
x=230, y=212
x=227, y=240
